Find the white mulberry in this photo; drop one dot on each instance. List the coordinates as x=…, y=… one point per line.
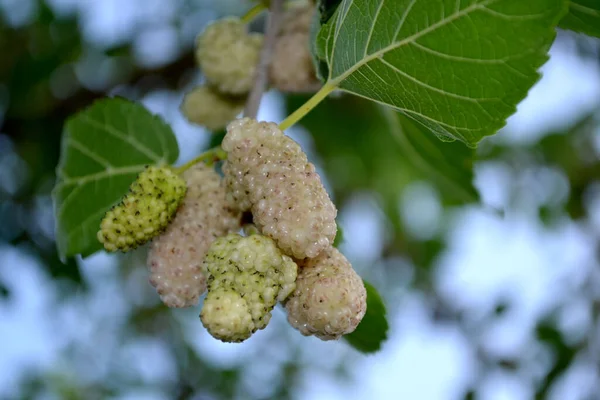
x=175, y=258
x=292, y=68
x=254, y=268
x=144, y=212
x=297, y=19
x=205, y=106
x=268, y=172
x=228, y=55
x=330, y=298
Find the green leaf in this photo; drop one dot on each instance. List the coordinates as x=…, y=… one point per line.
x=583, y=16
x=449, y=165
x=457, y=67
x=104, y=147
x=372, y=330
x=339, y=237
x=326, y=8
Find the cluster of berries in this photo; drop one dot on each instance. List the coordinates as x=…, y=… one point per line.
x=228, y=54
x=194, y=220
x=194, y=223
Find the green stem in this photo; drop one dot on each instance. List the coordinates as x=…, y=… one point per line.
x=209, y=157
x=251, y=229
x=253, y=12
x=306, y=107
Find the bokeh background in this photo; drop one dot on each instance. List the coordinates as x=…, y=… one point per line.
x=492, y=300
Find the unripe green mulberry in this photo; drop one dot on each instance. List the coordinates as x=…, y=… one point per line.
x=226, y=315
x=330, y=298
x=144, y=212
x=268, y=172
x=292, y=68
x=254, y=268
x=205, y=106
x=228, y=55
x=175, y=258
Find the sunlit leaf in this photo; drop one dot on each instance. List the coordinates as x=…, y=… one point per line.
x=104, y=148
x=457, y=67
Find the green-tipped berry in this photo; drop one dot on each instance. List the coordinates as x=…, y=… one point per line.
x=254, y=268
x=144, y=212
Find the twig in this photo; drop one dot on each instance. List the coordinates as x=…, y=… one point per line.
x=262, y=70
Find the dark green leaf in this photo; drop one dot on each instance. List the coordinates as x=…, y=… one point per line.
x=372, y=330
x=457, y=67
x=448, y=165
x=339, y=237
x=583, y=16
x=104, y=148
x=326, y=9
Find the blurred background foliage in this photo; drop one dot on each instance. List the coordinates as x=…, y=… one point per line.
x=409, y=204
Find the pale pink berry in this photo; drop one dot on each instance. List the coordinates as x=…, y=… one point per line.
x=268, y=173
x=175, y=257
x=330, y=298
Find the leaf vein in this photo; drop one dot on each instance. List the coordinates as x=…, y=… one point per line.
x=379, y=8
x=440, y=54
x=409, y=39
x=584, y=9
x=88, y=152
x=126, y=138
x=509, y=17
x=435, y=89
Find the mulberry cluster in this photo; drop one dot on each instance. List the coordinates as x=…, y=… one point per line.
x=292, y=68
x=203, y=105
x=175, y=258
x=268, y=173
x=144, y=212
x=247, y=276
x=330, y=298
x=228, y=55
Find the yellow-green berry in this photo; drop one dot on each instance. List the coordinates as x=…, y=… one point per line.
x=227, y=55
x=203, y=105
x=144, y=212
x=226, y=316
x=254, y=268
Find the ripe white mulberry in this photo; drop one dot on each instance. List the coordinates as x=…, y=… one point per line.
x=205, y=106
x=297, y=19
x=228, y=55
x=292, y=68
x=144, y=212
x=175, y=258
x=330, y=298
x=255, y=269
x=268, y=173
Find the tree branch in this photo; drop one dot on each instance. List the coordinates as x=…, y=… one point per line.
x=262, y=70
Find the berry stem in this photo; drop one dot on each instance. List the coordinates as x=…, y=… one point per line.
x=306, y=107
x=262, y=69
x=252, y=13
x=209, y=157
